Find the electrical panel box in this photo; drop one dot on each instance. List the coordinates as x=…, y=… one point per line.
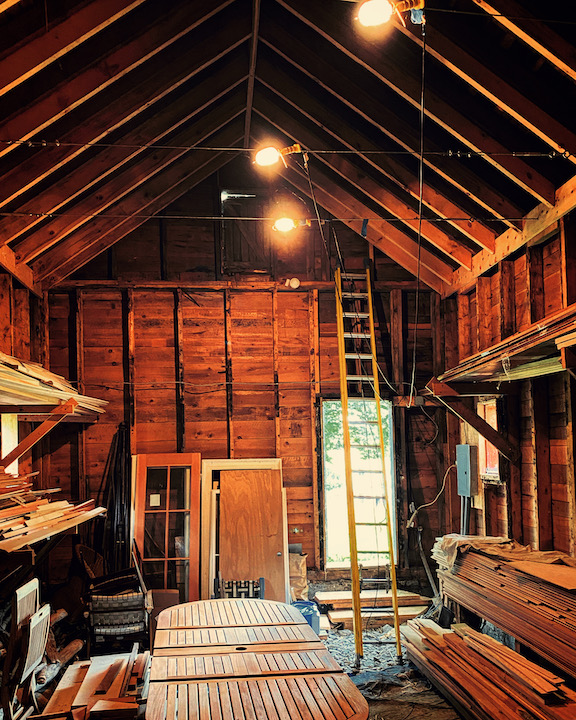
x=467, y=469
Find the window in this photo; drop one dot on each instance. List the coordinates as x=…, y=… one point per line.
x=367, y=479
x=246, y=244
x=487, y=453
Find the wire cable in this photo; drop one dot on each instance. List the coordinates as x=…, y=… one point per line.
x=425, y=505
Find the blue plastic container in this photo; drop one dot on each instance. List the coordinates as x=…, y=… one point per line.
x=310, y=612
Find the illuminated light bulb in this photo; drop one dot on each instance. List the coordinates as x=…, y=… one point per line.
x=267, y=156
x=284, y=224
x=375, y=12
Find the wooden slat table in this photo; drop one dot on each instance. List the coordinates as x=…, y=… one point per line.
x=245, y=660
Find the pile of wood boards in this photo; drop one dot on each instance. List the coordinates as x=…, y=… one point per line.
x=27, y=516
x=107, y=687
x=484, y=679
x=532, y=601
x=376, y=607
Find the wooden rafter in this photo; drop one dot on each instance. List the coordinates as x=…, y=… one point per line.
x=156, y=195
x=386, y=122
x=95, y=79
x=48, y=47
x=125, y=182
x=504, y=96
x=350, y=174
x=446, y=396
x=537, y=223
x=21, y=272
x=382, y=235
x=252, y=70
x=151, y=89
x=534, y=33
x=109, y=162
x=318, y=17
x=56, y=416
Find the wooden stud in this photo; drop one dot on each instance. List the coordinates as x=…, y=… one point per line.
x=464, y=348
x=570, y=409
x=314, y=365
x=228, y=360
x=179, y=372
x=129, y=375
x=484, y=312
x=78, y=308
x=535, y=281
x=6, y=313
x=507, y=299
x=568, y=259
x=507, y=409
x=397, y=339
x=541, y=446
x=275, y=346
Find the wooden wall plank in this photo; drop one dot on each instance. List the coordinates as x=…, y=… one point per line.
x=6, y=313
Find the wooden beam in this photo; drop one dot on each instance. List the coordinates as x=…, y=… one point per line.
x=507, y=299
x=385, y=121
x=397, y=337
x=334, y=27
x=484, y=312
x=568, y=259
x=504, y=96
x=126, y=182
x=535, y=222
x=57, y=415
x=179, y=372
x=150, y=89
x=87, y=83
x=570, y=408
x=6, y=314
x=156, y=195
x=535, y=282
x=128, y=362
x=384, y=236
x=47, y=47
x=314, y=369
x=536, y=34
x=447, y=396
x=251, y=71
x=390, y=204
x=20, y=272
x=109, y=162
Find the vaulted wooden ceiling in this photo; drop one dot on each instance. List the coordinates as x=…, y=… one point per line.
x=106, y=106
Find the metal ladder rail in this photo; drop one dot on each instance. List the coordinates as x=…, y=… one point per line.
x=373, y=380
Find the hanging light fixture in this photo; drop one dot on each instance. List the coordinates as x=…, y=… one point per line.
x=378, y=12
x=270, y=155
x=284, y=224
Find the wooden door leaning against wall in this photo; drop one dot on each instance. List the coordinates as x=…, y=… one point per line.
x=166, y=520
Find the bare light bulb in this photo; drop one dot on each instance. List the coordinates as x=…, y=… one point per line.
x=284, y=224
x=375, y=12
x=267, y=156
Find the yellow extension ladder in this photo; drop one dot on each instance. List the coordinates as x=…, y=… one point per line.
x=359, y=373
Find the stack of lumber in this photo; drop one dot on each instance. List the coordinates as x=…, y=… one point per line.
x=376, y=607
x=532, y=601
x=106, y=687
x=27, y=517
x=25, y=383
x=484, y=679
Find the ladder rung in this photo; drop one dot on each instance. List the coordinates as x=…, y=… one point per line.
x=364, y=445
x=358, y=315
x=357, y=356
x=360, y=378
x=353, y=276
x=354, y=295
x=371, y=524
x=373, y=552
x=362, y=422
x=366, y=472
x=356, y=335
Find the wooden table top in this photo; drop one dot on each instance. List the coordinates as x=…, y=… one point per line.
x=245, y=660
x=246, y=663
x=227, y=613
x=330, y=696
x=250, y=635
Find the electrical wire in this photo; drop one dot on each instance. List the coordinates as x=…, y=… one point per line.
x=425, y=505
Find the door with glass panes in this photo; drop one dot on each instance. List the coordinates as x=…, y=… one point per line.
x=166, y=521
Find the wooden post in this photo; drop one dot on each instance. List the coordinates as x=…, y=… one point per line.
x=541, y=440
x=507, y=299
x=275, y=345
x=568, y=258
x=535, y=278
x=484, y=312
x=129, y=353
x=464, y=348
x=179, y=372
x=228, y=359
x=314, y=344
x=6, y=314
x=570, y=395
x=83, y=486
x=508, y=416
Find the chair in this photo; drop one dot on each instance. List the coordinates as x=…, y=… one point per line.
x=26, y=648
x=239, y=588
